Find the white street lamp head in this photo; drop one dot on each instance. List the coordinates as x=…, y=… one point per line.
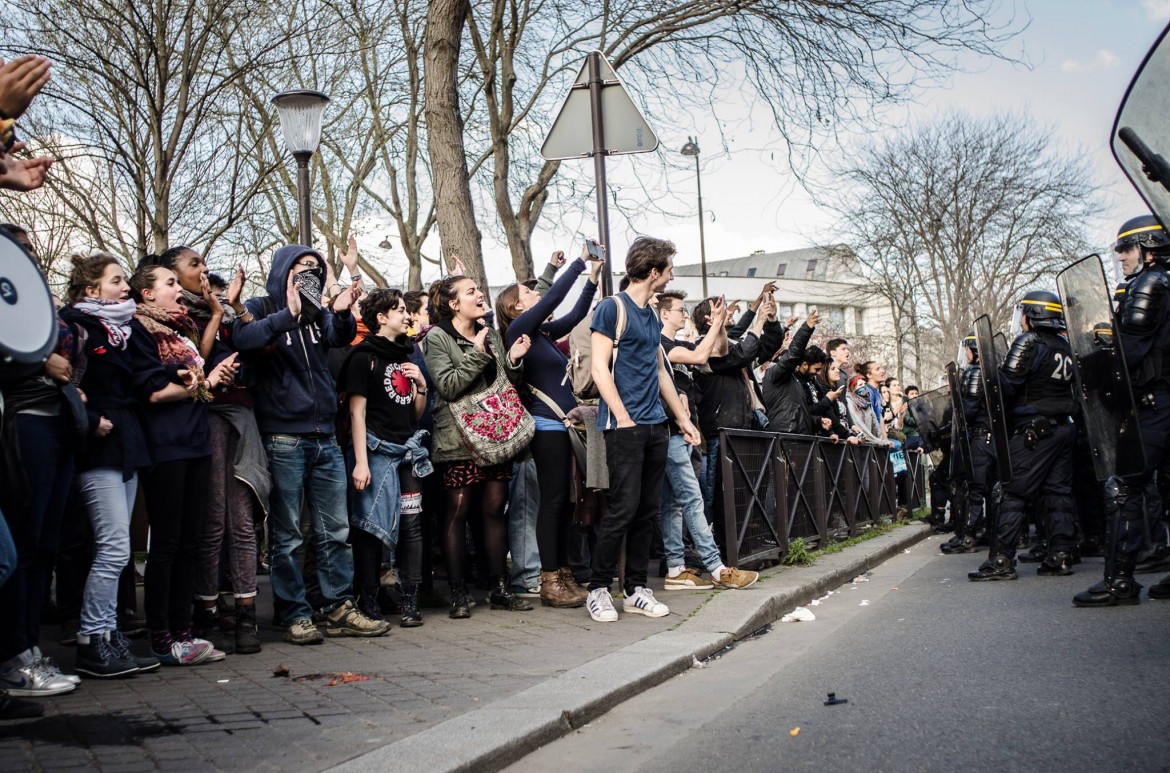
x=691, y=148
x=300, y=118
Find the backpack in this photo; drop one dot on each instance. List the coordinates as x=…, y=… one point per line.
x=577, y=372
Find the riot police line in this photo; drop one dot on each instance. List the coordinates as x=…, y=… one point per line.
x=1077, y=402
x=778, y=487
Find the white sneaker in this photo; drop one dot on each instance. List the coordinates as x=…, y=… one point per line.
x=642, y=602
x=50, y=668
x=600, y=605
x=23, y=677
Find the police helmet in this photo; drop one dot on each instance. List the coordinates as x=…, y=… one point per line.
x=1043, y=310
x=1143, y=231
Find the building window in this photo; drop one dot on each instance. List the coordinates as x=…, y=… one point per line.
x=783, y=311
x=781, y=269
x=833, y=317
x=812, y=266
x=859, y=322
x=751, y=271
x=722, y=273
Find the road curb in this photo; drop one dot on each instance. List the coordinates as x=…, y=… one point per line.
x=492, y=737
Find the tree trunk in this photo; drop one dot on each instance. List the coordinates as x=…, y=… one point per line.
x=458, y=231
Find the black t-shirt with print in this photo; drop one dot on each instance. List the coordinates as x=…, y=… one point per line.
x=684, y=380
x=389, y=394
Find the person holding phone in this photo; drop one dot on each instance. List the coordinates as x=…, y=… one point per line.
x=523, y=312
x=786, y=392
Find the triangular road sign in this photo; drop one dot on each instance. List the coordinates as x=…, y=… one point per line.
x=625, y=129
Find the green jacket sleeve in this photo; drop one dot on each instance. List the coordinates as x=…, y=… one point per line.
x=453, y=370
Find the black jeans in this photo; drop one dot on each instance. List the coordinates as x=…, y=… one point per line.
x=176, y=504
x=554, y=519
x=368, y=550
x=47, y=465
x=636, y=457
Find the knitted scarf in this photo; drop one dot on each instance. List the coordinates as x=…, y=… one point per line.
x=177, y=339
x=115, y=317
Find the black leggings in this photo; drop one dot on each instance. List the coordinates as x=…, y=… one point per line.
x=490, y=497
x=176, y=505
x=551, y=451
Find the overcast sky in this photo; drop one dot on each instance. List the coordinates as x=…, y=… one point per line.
x=1083, y=54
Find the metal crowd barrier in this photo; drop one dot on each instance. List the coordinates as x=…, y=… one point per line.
x=777, y=487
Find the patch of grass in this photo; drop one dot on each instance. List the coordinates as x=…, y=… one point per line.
x=798, y=553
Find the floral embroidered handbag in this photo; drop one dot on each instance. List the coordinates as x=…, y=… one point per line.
x=493, y=422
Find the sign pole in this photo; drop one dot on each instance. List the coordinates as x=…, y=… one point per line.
x=599, y=152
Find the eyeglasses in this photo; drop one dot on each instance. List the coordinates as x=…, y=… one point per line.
x=307, y=263
x=680, y=309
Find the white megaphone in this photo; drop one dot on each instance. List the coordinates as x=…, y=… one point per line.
x=28, y=318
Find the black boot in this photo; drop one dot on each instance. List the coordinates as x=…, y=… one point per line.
x=247, y=631
x=410, y=614
x=205, y=623
x=1156, y=559
x=999, y=568
x=964, y=544
x=460, y=602
x=1117, y=589
x=1035, y=555
x=502, y=598
x=1161, y=589
x=1056, y=564
x=367, y=604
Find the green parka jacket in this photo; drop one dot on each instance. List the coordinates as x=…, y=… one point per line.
x=457, y=368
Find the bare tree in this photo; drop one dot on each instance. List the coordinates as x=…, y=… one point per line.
x=960, y=217
x=812, y=65
x=456, y=213
x=144, y=90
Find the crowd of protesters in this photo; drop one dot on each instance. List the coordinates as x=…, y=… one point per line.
x=316, y=433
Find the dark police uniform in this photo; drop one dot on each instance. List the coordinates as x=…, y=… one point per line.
x=1143, y=322
x=1037, y=379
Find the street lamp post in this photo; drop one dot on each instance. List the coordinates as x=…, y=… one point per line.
x=692, y=149
x=300, y=121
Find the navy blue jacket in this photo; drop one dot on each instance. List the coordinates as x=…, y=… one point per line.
x=295, y=393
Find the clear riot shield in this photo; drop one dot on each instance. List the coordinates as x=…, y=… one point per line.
x=989, y=360
x=1001, y=347
x=960, y=441
x=1102, y=384
x=932, y=411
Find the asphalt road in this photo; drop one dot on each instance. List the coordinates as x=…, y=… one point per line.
x=941, y=674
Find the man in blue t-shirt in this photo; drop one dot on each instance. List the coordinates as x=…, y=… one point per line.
x=632, y=416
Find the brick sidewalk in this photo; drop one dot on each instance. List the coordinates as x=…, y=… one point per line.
x=236, y=715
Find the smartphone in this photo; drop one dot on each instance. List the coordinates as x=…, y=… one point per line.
x=812, y=309
x=595, y=250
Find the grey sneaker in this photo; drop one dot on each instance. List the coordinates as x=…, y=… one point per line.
x=347, y=620
x=303, y=632
x=50, y=667
x=24, y=676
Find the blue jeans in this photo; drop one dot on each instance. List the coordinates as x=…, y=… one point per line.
x=312, y=467
x=707, y=482
x=109, y=500
x=682, y=500
x=7, y=552
x=523, y=506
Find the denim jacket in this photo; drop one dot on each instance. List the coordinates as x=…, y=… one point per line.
x=379, y=505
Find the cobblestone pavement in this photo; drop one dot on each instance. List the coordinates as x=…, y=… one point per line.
x=236, y=715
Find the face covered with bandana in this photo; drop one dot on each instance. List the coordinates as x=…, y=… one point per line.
x=310, y=276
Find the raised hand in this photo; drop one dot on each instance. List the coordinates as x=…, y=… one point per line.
x=520, y=348
x=292, y=294
x=20, y=81
x=350, y=258
x=210, y=298
x=558, y=259
x=23, y=174
x=480, y=340
x=236, y=286
x=347, y=298
x=224, y=374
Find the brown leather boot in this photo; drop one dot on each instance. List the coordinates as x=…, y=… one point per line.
x=553, y=592
x=570, y=582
